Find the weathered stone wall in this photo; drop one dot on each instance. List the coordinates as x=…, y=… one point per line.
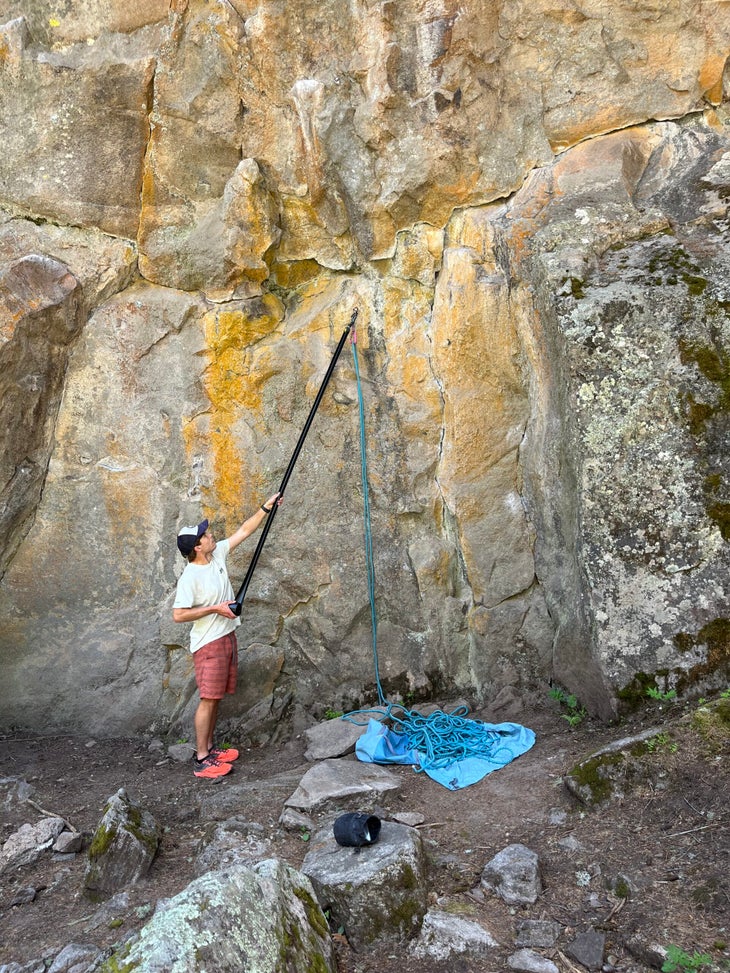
x=194, y=197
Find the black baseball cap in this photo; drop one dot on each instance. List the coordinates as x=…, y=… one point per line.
x=188, y=537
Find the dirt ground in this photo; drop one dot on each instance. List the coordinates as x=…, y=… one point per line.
x=651, y=867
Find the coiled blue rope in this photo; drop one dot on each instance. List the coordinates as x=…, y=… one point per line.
x=439, y=738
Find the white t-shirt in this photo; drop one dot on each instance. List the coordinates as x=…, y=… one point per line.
x=207, y=584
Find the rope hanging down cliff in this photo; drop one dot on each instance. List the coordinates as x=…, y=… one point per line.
x=450, y=748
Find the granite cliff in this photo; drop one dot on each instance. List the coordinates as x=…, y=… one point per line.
x=528, y=203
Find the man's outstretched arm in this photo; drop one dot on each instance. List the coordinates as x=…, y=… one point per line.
x=254, y=522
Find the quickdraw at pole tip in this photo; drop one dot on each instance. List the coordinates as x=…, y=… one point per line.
x=351, y=325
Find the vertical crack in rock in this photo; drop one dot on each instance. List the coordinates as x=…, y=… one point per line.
x=43, y=315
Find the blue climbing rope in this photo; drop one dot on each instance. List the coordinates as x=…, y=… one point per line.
x=366, y=518
x=440, y=738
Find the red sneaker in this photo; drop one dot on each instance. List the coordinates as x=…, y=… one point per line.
x=223, y=756
x=209, y=767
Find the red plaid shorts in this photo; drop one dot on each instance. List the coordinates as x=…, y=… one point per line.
x=216, y=667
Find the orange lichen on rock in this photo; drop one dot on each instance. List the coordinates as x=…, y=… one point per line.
x=710, y=78
x=234, y=381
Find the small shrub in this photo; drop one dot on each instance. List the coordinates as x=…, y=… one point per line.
x=664, y=697
x=661, y=740
x=576, y=713
x=677, y=959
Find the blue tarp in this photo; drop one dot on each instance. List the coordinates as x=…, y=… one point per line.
x=453, y=751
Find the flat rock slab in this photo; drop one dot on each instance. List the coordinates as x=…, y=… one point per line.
x=528, y=961
x=538, y=933
x=444, y=935
x=411, y=818
x=588, y=948
x=222, y=799
x=333, y=738
x=332, y=780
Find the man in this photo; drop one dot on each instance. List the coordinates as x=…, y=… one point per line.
x=203, y=595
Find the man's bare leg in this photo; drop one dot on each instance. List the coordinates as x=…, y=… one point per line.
x=205, y=719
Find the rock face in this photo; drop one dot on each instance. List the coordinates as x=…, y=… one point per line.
x=42, y=316
x=528, y=205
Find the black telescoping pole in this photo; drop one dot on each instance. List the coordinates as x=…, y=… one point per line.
x=237, y=605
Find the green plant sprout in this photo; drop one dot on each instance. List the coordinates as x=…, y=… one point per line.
x=677, y=959
x=661, y=695
x=661, y=740
x=332, y=714
x=576, y=713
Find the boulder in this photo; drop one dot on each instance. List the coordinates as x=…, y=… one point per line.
x=29, y=843
x=606, y=774
x=231, y=842
x=332, y=738
x=264, y=918
x=514, y=874
x=122, y=848
x=543, y=339
x=377, y=893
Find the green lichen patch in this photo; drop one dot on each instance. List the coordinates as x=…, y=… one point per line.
x=712, y=361
x=576, y=288
x=714, y=638
x=673, y=266
x=621, y=888
x=102, y=841
x=712, y=722
x=315, y=916
x=117, y=963
x=595, y=780
x=720, y=513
